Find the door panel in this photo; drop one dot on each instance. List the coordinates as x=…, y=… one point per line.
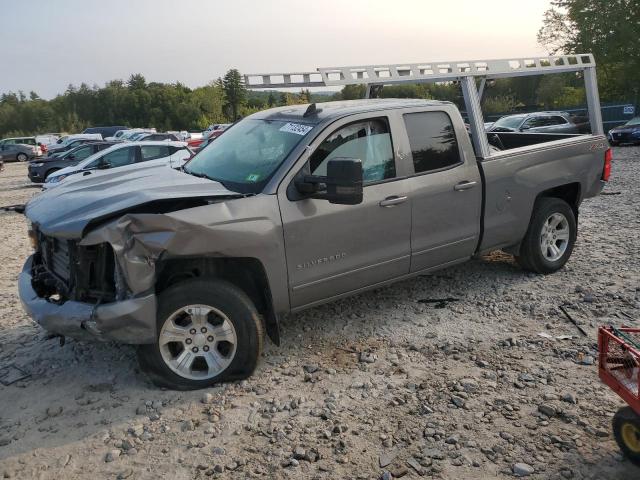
x=446, y=191
x=446, y=219
x=333, y=249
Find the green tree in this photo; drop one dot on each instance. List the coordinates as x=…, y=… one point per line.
x=235, y=92
x=608, y=29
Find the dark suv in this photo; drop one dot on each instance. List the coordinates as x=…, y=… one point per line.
x=39, y=170
x=105, y=131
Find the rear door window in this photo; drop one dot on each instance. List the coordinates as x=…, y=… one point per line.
x=153, y=152
x=433, y=141
x=121, y=157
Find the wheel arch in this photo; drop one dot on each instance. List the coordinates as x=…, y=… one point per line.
x=247, y=273
x=569, y=192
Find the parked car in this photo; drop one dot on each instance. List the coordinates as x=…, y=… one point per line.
x=290, y=208
x=212, y=136
x=124, y=158
x=538, y=122
x=46, y=139
x=12, y=152
x=152, y=137
x=19, y=140
x=104, y=131
x=72, y=141
x=628, y=133
x=197, y=142
x=117, y=135
x=133, y=133
x=41, y=168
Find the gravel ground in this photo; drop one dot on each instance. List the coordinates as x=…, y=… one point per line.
x=374, y=386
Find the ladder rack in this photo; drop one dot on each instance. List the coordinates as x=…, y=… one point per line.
x=421, y=72
x=464, y=72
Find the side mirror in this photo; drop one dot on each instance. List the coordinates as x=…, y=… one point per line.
x=104, y=165
x=524, y=127
x=71, y=157
x=342, y=185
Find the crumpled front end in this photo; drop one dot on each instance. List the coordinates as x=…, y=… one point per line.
x=104, y=285
x=128, y=321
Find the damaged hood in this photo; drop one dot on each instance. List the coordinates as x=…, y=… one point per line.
x=65, y=211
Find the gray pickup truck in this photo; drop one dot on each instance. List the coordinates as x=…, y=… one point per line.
x=290, y=208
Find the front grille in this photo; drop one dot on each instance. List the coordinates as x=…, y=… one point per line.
x=625, y=137
x=82, y=273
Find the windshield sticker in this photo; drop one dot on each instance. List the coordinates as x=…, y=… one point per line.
x=296, y=128
x=253, y=177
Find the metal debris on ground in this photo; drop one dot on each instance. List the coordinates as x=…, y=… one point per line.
x=571, y=319
x=12, y=374
x=13, y=208
x=439, y=302
x=557, y=337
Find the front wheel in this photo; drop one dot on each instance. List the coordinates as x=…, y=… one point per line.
x=22, y=157
x=46, y=175
x=549, y=241
x=208, y=331
x=626, y=430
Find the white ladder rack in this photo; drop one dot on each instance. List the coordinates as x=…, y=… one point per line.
x=421, y=72
x=464, y=72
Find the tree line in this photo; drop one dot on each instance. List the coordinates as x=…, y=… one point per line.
x=609, y=30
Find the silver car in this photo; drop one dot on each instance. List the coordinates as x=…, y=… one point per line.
x=538, y=122
x=18, y=152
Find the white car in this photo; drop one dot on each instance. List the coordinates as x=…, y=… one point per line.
x=118, y=134
x=135, y=132
x=123, y=157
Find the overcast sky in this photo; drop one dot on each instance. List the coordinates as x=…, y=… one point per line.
x=45, y=44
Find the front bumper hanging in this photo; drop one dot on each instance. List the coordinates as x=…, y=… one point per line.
x=130, y=321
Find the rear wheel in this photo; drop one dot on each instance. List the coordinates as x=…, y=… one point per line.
x=22, y=157
x=208, y=332
x=550, y=238
x=626, y=430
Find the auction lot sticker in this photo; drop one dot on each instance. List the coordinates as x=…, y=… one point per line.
x=296, y=128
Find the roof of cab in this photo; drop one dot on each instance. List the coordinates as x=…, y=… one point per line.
x=332, y=110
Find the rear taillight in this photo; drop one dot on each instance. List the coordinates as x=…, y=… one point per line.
x=606, y=172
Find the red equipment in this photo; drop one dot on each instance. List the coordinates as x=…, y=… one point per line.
x=619, y=368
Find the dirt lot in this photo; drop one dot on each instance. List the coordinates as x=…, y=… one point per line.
x=372, y=384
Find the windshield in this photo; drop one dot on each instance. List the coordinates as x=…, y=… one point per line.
x=512, y=121
x=247, y=155
x=633, y=121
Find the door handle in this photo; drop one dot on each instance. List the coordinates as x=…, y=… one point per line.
x=466, y=185
x=392, y=201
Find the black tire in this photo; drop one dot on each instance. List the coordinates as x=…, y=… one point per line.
x=234, y=304
x=22, y=157
x=531, y=256
x=627, y=420
x=49, y=172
